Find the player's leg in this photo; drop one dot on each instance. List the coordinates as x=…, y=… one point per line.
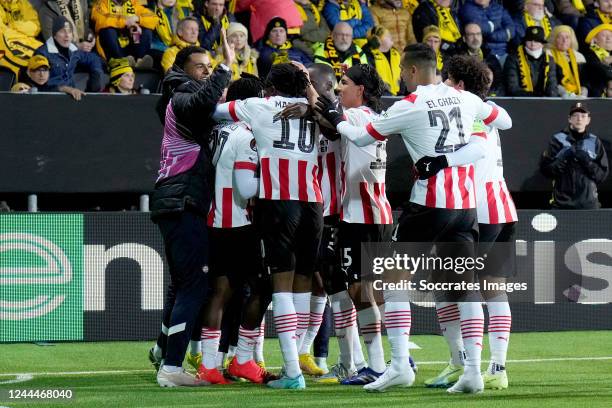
x=318, y=300
x=278, y=222
x=500, y=265
x=368, y=313
x=321, y=341
x=230, y=324
x=158, y=352
x=260, y=295
x=187, y=240
x=462, y=238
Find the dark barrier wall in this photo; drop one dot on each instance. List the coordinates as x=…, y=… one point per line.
x=102, y=276
x=109, y=143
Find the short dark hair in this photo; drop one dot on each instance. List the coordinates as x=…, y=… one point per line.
x=183, y=55
x=248, y=86
x=287, y=79
x=471, y=71
x=421, y=55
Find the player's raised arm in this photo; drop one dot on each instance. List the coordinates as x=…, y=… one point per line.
x=236, y=111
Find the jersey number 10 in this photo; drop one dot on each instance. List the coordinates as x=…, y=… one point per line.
x=306, y=131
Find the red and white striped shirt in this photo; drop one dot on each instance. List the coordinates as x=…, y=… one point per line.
x=494, y=202
x=288, y=148
x=329, y=175
x=363, y=176
x=433, y=121
x=233, y=148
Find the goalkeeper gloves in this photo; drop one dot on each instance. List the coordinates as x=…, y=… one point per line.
x=328, y=109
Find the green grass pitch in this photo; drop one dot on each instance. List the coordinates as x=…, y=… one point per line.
x=559, y=369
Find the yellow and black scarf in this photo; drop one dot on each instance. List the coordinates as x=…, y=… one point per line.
x=411, y=5
x=525, y=70
x=208, y=24
x=350, y=9
x=126, y=9
x=281, y=56
x=388, y=69
x=449, y=30
x=569, y=68
x=545, y=23
x=166, y=28
x=72, y=10
x=605, y=18
x=579, y=5
x=331, y=56
x=439, y=61
x=601, y=53
x=315, y=12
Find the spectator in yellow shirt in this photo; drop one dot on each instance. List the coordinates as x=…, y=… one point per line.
x=124, y=29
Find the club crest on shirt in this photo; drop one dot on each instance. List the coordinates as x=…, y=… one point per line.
x=253, y=145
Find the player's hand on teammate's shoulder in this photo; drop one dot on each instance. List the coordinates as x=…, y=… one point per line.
x=329, y=110
x=296, y=111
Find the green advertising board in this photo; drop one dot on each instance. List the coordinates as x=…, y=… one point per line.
x=41, y=277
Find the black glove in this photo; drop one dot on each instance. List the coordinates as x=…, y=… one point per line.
x=567, y=153
x=328, y=109
x=428, y=166
x=583, y=157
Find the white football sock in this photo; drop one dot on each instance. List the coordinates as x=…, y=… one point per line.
x=472, y=327
x=450, y=325
x=358, y=357
x=344, y=321
x=195, y=346
x=285, y=321
x=301, y=301
x=398, y=320
x=247, y=339
x=258, y=353
x=210, y=346
x=500, y=321
x=317, y=307
x=370, y=324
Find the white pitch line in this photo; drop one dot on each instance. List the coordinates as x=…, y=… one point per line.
x=533, y=360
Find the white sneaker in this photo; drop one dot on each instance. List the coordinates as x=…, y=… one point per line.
x=391, y=378
x=468, y=383
x=179, y=378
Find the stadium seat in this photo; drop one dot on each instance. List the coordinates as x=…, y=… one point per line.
x=149, y=79
x=7, y=79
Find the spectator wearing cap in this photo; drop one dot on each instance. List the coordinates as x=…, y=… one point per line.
x=383, y=56
x=124, y=28
x=353, y=12
x=598, y=55
x=212, y=17
x=77, y=14
x=315, y=28
x=262, y=11
x=186, y=35
x=121, y=77
x=530, y=71
x=576, y=161
x=36, y=75
x=433, y=39
x=440, y=14
x=277, y=48
x=570, y=11
x=534, y=13
x=339, y=50
x=599, y=13
x=397, y=17
x=472, y=36
x=246, y=57
x=495, y=23
x=169, y=13
x=563, y=47
x=65, y=58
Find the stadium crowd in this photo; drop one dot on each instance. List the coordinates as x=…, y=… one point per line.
x=541, y=48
